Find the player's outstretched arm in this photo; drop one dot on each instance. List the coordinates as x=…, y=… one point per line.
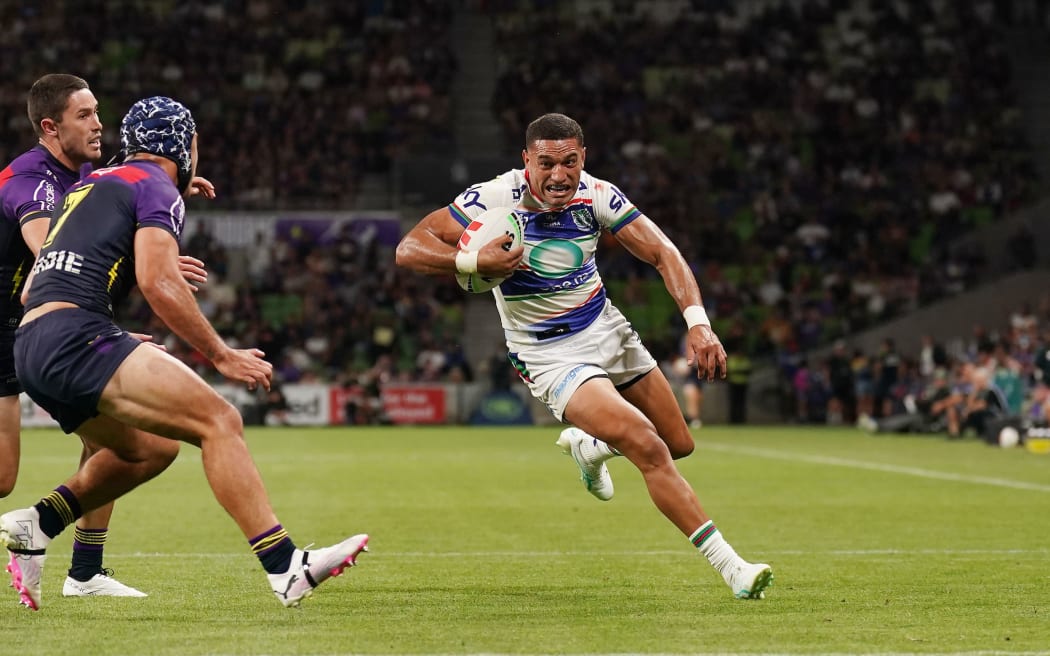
x=646, y=241
x=431, y=247
x=160, y=279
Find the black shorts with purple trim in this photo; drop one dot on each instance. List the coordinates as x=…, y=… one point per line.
x=65, y=358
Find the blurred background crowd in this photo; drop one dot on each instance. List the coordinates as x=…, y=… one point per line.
x=817, y=162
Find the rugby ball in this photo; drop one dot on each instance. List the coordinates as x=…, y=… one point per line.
x=488, y=225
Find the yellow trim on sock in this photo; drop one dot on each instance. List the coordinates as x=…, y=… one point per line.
x=269, y=541
x=58, y=502
x=90, y=536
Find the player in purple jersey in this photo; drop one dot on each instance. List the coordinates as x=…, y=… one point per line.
x=64, y=114
x=573, y=348
x=118, y=228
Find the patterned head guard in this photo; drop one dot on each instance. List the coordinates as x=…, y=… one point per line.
x=164, y=127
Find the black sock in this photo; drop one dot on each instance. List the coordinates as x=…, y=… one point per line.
x=57, y=511
x=87, y=552
x=274, y=549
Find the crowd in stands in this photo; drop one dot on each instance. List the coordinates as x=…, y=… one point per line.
x=336, y=310
x=970, y=384
x=294, y=108
x=814, y=160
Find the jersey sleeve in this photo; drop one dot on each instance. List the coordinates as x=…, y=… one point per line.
x=29, y=196
x=478, y=198
x=160, y=205
x=611, y=207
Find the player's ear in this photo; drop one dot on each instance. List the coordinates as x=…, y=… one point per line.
x=49, y=126
x=525, y=157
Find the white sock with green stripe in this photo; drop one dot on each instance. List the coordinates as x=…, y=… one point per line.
x=709, y=541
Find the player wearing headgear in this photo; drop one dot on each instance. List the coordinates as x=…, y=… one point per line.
x=571, y=346
x=64, y=115
x=119, y=227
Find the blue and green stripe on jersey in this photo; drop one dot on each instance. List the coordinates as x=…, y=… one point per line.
x=631, y=214
x=459, y=215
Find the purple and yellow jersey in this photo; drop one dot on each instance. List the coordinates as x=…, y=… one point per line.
x=29, y=188
x=557, y=290
x=88, y=257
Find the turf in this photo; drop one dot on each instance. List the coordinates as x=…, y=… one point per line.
x=485, y=542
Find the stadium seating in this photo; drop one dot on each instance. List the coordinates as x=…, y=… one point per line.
x=294, y=108
x=812, y=160
x=825, y=153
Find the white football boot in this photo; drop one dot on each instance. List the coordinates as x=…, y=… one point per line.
x=100, y=585
x=311, y=568
x=749, y=580
x=593, y=472
x=20, y=532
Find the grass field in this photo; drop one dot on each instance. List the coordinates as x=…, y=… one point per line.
x=483, y=541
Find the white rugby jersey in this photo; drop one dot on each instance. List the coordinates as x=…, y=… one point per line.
x=556, y=291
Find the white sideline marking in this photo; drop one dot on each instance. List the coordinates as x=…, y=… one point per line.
x=684, y=553
x=874, y=466
x=749, y=653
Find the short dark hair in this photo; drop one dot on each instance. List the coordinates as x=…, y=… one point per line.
x=49, y=96
x=553, y=127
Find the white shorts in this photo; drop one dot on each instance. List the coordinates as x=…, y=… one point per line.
x=609, y=348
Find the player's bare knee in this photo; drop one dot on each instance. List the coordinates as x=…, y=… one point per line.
x=681, y=450
x=228, y=421
x=220, y=420
x=165, y=453
x=680, y=443
x=649, y=452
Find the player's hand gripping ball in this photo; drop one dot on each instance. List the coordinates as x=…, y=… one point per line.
x=488, y=225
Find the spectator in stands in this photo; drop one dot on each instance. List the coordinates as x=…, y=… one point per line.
x=932, y=356
x=801, y=381
x=887, y=368
x=977, y=406
x=1024, y=319
x=739, y=377
x=808, y=126
x=813, y=114
x=383, y=69
x=1006, y=377
x=842, y=404
x=1037, y=410
x=690, y=387
x=864, y=382
x=501, y=373
x=274, y=408
x=366, y=407
x=925, y=413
